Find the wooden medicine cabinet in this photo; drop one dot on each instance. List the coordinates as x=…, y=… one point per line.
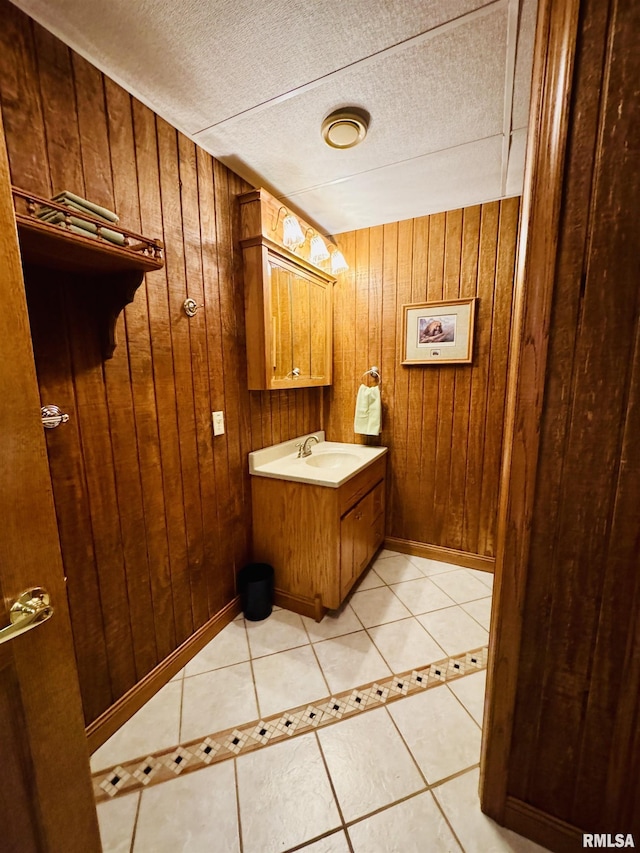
x=287, y=303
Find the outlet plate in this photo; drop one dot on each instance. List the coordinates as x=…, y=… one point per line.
x=218, y=422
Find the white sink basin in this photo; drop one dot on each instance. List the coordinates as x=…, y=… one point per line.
x=331, y=463
x=331, y=460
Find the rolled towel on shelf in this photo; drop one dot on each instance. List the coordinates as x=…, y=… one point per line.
x=368, y=417
x=72, y=200
x=84, y=228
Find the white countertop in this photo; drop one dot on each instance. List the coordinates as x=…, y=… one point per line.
x=331, y=463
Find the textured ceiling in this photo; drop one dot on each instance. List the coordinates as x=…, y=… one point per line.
x=446, y=83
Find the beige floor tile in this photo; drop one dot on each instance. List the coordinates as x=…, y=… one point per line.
x=369, y=580
x=439, y=732
x=193, y=813
x=422, y=595
x=284, y=795
x=288, y=679
x=117, y=819
x=336, y=623
x=484, y=577
x=397, y=569
x=405, y=645
x=334, y=843
x=470, y=691
x=386, y=553
x=454, y=630
x=155, y=726
x=369, y=765
x=377, y=606
x=227, y=648
x=217, y=700
x=480, y=610
x=461, y=586
x=282, y=630
x=432, y=567
x=350, y=661
x=413, y=826
x=477, y=832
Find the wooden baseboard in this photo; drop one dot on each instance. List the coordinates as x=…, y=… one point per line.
x=543, y=828
x=110, y=721
x=444, y=555
x=303, y=606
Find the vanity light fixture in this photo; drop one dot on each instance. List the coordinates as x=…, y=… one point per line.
x=345, y=127
x=338, y=263
x=318, y=251
x=292, y=235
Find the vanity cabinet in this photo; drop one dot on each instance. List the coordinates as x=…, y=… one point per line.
x=287, y=308
x=361, y=534
x=318, y=539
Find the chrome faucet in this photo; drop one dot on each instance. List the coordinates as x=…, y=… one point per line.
x=304, y=449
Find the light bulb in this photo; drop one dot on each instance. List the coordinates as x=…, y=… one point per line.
x=291, y=232
x=318, y=251
x=338, y=263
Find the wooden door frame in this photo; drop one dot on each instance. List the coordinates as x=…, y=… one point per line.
x=549, y=122
x=43, y=659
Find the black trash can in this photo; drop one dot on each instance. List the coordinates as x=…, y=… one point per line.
x=255, y=583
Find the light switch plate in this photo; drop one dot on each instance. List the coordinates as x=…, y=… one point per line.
x=218, y=423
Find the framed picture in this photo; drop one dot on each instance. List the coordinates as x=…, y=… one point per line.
x=438, y=332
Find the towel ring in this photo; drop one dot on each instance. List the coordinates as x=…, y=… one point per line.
x=374, y=373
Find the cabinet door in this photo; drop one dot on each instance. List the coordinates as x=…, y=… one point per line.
x=302, y=323
x=320, y=331
x=300, y=326
x=281, y=323
x=376, y=530
x=355, y=542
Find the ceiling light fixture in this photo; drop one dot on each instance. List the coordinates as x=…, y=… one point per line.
x=345, y=127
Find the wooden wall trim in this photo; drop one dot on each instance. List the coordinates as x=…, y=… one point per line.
x=297, y=604
x=541, y=827
x=437, y=552
x=110, y=721
x=534, y=286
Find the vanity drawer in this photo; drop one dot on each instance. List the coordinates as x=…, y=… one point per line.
x=357, y=487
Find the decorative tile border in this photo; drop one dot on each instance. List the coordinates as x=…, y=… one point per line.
x=193, y=755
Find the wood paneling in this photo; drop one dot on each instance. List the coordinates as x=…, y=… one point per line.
x=154, y=514
x=561, y=753
x=443, y=425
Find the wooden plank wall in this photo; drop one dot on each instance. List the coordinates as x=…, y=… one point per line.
x=575, y=752
x=443, y=425
x=154, y=514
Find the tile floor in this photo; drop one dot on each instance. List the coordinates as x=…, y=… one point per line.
x=399, y=777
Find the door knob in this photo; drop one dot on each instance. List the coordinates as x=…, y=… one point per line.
x=32, y=608
x=53, y=416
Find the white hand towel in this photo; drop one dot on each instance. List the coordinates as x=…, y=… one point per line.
x=368, y=411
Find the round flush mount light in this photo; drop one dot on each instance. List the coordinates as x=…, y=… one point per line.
x=345, y=128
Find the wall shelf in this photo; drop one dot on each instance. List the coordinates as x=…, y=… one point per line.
x=118, y=270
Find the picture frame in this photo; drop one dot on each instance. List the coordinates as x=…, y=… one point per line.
x=438, y=332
